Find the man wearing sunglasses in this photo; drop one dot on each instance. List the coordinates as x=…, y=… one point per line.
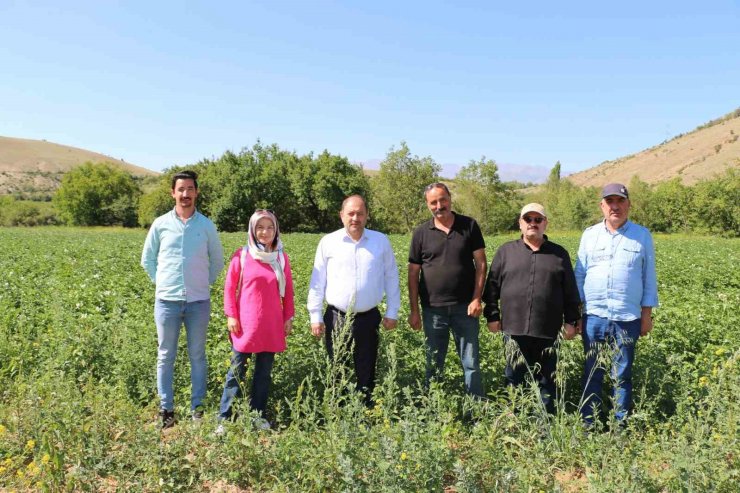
x=615, y=272
x=530, y=292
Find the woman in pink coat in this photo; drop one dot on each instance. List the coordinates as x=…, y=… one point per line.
x=258, y=301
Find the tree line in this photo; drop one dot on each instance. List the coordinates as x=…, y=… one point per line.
x=306, y=192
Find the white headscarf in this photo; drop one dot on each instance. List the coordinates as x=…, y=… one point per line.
x=258, y=251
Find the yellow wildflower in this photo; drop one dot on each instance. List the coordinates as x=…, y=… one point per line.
x=30, y=444
x=45, y=459
x=703, y=381
x=720, y=351
x=404, y=456
x=2, y=429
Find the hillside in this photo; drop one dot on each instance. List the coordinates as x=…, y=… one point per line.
x=702, y=153
x=33, y=168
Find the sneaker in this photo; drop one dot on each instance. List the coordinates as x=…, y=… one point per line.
x=220, y=430
x=261, y=424
x=168, y=418
x=198, y=413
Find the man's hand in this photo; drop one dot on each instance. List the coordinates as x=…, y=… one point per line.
x=415, y=320
x=389, y=323
x=288, y=327
x=317, y=329
x=646, y=325
x=570, y=332
x=233, y=325
x=475, y=308
x=494, y=326
x=579, y=326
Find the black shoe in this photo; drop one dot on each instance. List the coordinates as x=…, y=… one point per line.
x=198, y=413
x=168, y=418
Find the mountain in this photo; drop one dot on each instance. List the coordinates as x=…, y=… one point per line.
x=34, y=168
x=702, y=153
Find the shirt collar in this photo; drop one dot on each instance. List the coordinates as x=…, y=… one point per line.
x=348, y=237
x=619, y=230
x=432, y=226
x=544, y=242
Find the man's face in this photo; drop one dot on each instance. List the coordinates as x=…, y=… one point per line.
x=185, y=193
x=354, y=216
x=615, y=209
x=531, y=228
x=439, y=203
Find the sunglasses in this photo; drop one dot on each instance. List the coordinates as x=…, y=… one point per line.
x=265, y=210
x=529, y=219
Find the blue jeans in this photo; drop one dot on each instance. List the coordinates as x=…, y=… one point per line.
x=439, y=321
x=235, y=381
x=618, y=339
x=169, y=317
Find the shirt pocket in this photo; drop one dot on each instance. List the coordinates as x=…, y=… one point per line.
x=629, y=254
x=600, y=255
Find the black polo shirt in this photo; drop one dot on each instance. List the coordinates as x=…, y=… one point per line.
x=537, y=290
x=446, y=259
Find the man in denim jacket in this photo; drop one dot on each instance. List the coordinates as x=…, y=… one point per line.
x=615, y=273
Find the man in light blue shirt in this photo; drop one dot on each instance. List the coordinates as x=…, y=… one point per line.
x=615, y=273
x=183, y=257
x=353, y=268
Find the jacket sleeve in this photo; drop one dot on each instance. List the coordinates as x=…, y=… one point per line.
x=289, y=299
x=215, y=255
x=231, y=304
x=391, y=282
x=571, y=297
x=649, y=277
x=492, y=290
x=150, y=253
x=317, y=286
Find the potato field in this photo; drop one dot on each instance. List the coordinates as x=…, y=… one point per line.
x=78, y=401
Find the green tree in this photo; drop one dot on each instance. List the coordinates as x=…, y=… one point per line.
x=320, y=185
x=97, y=195
x=397, y=190
x=480, y=193
x=716, y=207
x=669, y=208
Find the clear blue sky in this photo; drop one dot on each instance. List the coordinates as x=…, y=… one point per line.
x=159, y=83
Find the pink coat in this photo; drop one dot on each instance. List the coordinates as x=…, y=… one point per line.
x=260, y=312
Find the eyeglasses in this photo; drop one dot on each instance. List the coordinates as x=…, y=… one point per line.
x=529, y=219
x=265, y=210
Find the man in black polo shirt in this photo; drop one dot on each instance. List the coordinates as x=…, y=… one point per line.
x=534, y=281
x=447, y=270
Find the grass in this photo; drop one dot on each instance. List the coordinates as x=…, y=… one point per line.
x=78, y=400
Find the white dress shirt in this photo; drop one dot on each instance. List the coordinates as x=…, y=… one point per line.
x=352, y=276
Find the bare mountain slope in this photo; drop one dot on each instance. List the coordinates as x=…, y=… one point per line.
x=35, y=167
x=702, y=153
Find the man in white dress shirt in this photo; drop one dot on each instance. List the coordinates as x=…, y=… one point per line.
x=352, y=270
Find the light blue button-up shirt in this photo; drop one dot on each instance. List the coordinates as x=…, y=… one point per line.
x=182, y=258
x=615, y=272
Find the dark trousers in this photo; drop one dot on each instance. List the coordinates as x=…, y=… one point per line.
x=235, y=381
x=535, y=356
x=361, y=342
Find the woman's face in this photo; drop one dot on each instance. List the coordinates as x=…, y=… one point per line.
x=265, y=232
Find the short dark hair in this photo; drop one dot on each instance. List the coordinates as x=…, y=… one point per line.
x=358, y=196
x=437, y=184
x=185, y=175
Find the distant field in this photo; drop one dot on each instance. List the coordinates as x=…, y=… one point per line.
x=78, y=400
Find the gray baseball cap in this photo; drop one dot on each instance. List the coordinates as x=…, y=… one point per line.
x=615, y=189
